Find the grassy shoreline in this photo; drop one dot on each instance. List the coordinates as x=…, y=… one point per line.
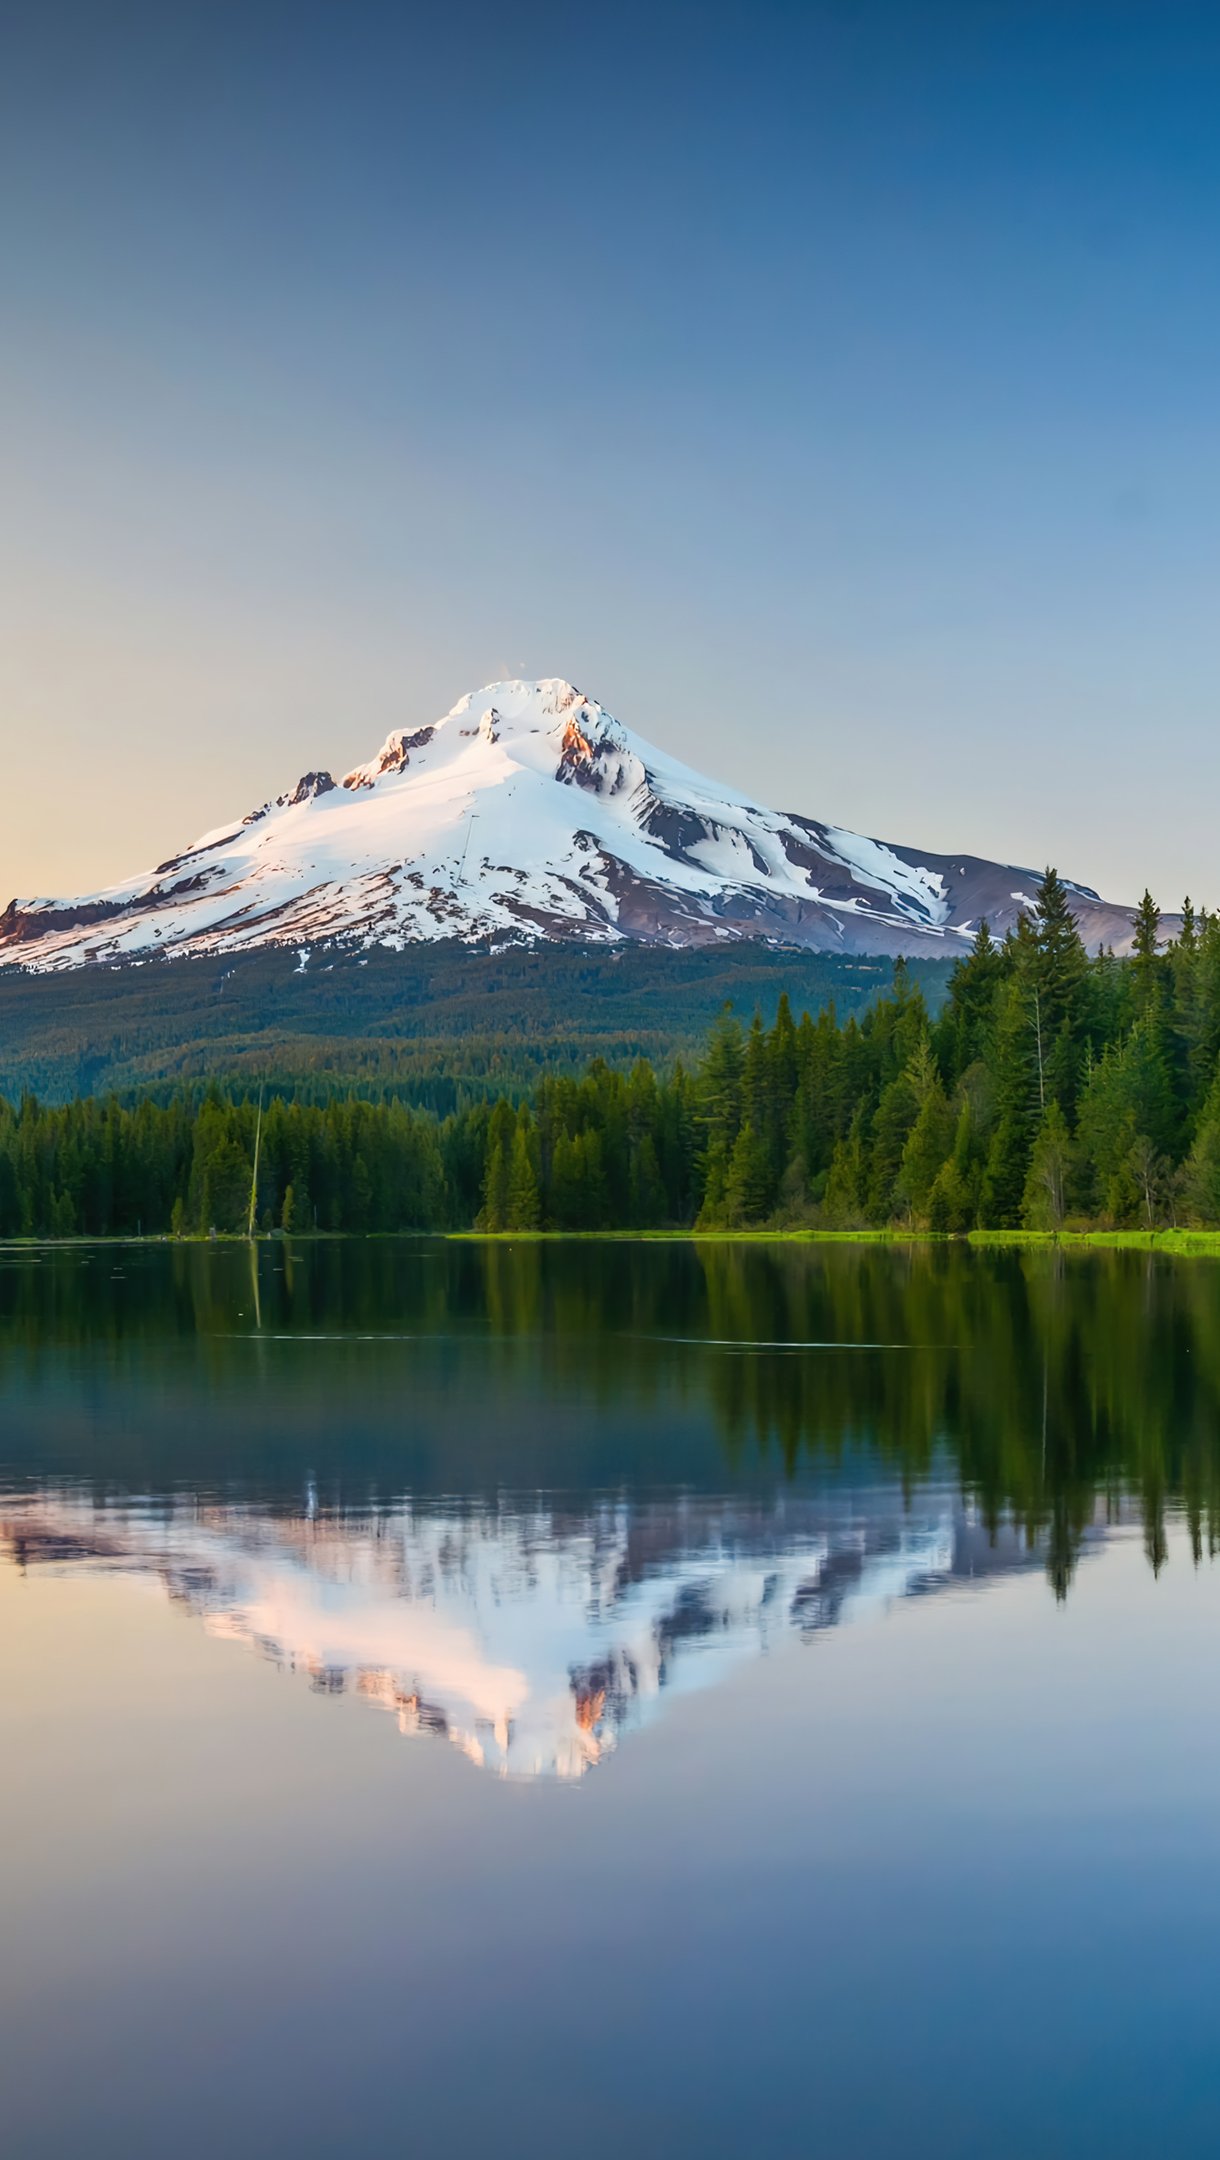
x=1192, y=1243
x=1172, y=1241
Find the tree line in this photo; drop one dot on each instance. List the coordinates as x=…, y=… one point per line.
x=435, y=1025
x=1052, y=1089
x=1059, y=1390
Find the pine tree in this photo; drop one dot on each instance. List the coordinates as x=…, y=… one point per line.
x=593, y=1179
x=1050, y=1167
x=963, y=1029
x=843, y=1203
x=950, y=1208
x=928, y=1147
x=720, y=1081
x=888, y=1136
x=712, y=1210
x=224, y=1187
x=360, y=1204
x=1150, y=1174
x=647, y=1190
x=501, y=1132
x=1018, y=1083
x=296, y=1215
x=1188, y=1014
x=63, y=1222
x=783, y=1071
x=756, y=1078
x=676, y=1146
x=748, y=1190
x=1058, y=973
x=522, y=1209
x=817, y=1117
x=1146, y=975
x=1200, y=1182
x=566, y=1196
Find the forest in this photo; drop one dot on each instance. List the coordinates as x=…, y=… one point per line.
x=1052, y=1090
x=436, y=1025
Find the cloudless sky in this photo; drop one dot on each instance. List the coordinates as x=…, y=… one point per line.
x=833, y=390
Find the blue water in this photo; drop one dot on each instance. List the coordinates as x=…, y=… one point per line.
x=675, y=1699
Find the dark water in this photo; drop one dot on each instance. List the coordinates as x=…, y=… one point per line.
x=642, y=1698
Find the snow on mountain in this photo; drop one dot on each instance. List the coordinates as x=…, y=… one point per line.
x=533, y=1641
x=529, y=812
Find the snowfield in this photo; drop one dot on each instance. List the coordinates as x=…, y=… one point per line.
x=528, y=811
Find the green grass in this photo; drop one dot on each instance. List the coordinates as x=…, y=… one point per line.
x=1176, y=1241
x=1191, y=1243
x=1171, y=1241
x=697, y=1237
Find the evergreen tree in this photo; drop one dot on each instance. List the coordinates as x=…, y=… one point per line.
x=928, y=1148
x=500, y=1140
x=713, y=1207
x=748, y=1188
x=1200, y=1182
x=522, y=1207
x=843, y=1204
x=647, y=1190
x=720, y=1082
x=1146, y=968
x=567, y=1203
x=892, y=1125
x=1058, y=974
x=950, y=1202
x=296, y=1214
x=1016, y=1092
x=1051, y=1086
x=1050, y=1168
x=359, y=1212
x=1150, y=1176
x=963, y=1030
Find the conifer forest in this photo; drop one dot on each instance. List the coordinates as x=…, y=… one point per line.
x=1053, y=1090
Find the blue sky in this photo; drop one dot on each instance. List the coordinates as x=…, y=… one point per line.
x=830, y=389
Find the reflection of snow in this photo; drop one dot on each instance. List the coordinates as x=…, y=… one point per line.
x=530, y=1638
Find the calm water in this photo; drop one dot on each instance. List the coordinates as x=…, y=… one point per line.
x=648, y=1698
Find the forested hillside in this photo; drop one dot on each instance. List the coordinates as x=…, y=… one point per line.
x=1051, y=1089
x=436, y=1025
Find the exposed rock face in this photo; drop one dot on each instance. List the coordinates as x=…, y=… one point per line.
x=393, y=756
x=308, y=786
x=530, y=812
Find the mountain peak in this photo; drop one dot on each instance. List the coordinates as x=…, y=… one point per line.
x=529, y=811
x=500, y=711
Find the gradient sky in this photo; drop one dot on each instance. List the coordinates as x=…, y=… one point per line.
x=833, y=390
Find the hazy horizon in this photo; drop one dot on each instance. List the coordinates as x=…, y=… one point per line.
x=828, y=391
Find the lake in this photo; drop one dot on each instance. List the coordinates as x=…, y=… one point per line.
x=628, y=1697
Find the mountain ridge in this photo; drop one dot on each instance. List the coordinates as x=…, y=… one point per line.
x=528, y=812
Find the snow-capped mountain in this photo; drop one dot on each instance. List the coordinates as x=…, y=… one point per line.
x=528, y=811
x=535, y=1641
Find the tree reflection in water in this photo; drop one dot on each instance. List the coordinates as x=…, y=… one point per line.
x=771, y=1417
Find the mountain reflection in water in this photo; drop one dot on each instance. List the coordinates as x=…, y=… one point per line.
x=521, y=1495
x=818, y=1633
x=530, y=1639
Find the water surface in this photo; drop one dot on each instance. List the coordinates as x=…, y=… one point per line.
x=720, y=1698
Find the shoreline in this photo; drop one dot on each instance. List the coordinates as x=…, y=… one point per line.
x=1190, y=1243
x=1187, y=1242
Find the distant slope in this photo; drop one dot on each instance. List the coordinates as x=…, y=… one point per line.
x=528, y=812
x=429, y=1024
